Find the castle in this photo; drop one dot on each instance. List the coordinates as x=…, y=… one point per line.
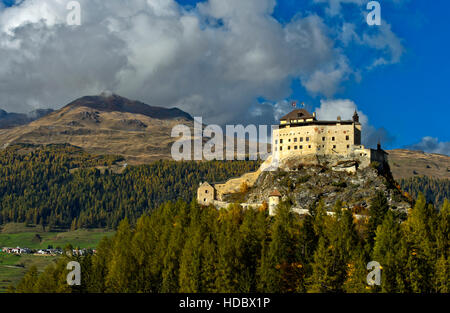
x=301, y=135
x=302, y=139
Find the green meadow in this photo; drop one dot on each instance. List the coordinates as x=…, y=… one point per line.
x=13, y=267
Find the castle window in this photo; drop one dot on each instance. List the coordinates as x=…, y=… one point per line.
x=334, y=146
x=295, y=147
x=307, y=138
x=301, y=147
x=323, y=138
x=204, y=200
x=332, y=138
x=289, y=147
x=347, y=137
x=295, y=139
x=348, y=146
x=309, y=147
x=281, y=148
x=276, y=141
x=281, y=140
x=206, y=191
x=301, y=139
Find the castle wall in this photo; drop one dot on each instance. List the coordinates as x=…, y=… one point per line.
x=318, y=139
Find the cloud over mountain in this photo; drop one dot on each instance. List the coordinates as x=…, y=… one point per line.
x=431, y=145
x=213, y=60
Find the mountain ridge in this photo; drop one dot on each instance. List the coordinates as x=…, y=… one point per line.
x=11, y=119
x=115, y=103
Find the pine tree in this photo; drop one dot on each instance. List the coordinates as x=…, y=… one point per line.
x=442, y=275
x=122, y=267
x=190, y=270
x=28, y=282
x=385, y=252
x=378, y=209
x=419, y=241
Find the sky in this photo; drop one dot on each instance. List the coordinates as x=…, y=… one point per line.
x=239, y=61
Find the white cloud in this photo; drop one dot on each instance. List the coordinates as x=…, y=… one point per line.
x=215, y=60
x=431, y=145
x=334, y=6
x=385, y=40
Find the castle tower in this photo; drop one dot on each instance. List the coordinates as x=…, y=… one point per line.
x=355, y=117
x=274, y=200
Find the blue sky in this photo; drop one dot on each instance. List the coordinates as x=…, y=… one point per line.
x=408, y=95
x=410, y=99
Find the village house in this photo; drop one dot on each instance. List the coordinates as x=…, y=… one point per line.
x=17, y=250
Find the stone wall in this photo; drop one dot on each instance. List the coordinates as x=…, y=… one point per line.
x=339, y=138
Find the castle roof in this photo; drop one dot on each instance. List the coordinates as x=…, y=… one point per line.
x=275, y=193
x=298, y=114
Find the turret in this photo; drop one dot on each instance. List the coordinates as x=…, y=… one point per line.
x=355, y=117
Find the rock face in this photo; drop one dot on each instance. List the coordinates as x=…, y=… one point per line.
x=306, y=185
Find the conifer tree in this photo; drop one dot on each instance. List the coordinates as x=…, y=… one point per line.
x=385, y=252
x=122, y=267
x=378, y=209
x=28, y=282
x=419, y=241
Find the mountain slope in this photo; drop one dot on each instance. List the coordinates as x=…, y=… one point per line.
x=9, y=120
x=407, y=163
x=105, y=125
x=115, y=103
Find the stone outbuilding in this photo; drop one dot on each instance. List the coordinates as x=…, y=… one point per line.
x=206, y=194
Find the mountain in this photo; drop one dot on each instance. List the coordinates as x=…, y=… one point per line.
x=9, y=120
x=106, y=124
x=408, y=163
x=115, y=103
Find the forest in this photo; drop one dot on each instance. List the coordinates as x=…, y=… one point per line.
x=435, y=190
x=165, y=242
x=39, y=186
x=183, y=247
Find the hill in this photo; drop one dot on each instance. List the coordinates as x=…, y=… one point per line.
x=407, y=163
x=106, y=124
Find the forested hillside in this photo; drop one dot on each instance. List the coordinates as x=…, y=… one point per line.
x=435, y=190
x=187, y=248
x=60, y=186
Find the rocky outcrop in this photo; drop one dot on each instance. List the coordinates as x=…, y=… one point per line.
x=306, y=185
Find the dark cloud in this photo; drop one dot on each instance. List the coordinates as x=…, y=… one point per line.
x=431, y=145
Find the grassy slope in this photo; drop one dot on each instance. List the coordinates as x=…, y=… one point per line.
x=13, y=267
x=79, y=238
